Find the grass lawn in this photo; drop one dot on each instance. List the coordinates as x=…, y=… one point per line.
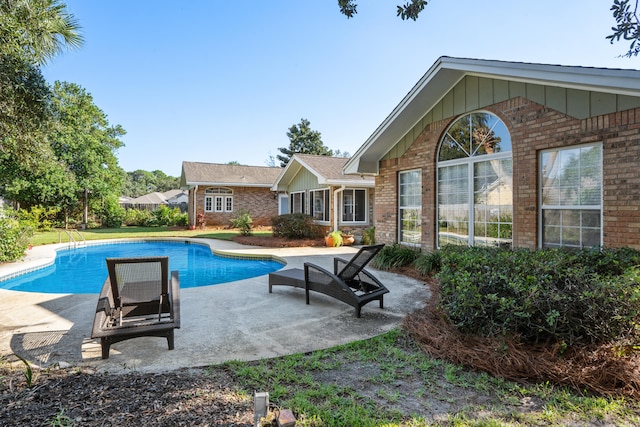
x=55, y=236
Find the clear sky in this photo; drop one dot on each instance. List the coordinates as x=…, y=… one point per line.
x=219, y=81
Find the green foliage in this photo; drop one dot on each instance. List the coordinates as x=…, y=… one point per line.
x=15, y=235
x=242, y=221
x=394, y=256
x=295, y=226
x=141, y=182
x=428, y=263
x=336, y=237
x=410, y=10
x=628, y=25
x=112, y=214
x=137, y=217
x=39, y=218
x=29, y=375
x=163, y=215
x=302, y=140
x=572, y=297
x=61, y=420
x=369, y=236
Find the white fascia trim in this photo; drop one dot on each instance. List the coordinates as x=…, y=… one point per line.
x=228, y=184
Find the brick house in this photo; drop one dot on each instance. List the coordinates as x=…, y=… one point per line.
x=219, y=191
x=316, y=185
x=512, y=154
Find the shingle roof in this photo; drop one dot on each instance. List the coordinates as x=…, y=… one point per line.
x=327, y=169
x=197, y=173
x=447, y=71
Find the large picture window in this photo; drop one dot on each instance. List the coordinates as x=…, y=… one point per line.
x=320, y=205
x=297, y=202
x=354, y=205
x=475, y=185
x=218, y=199
x=410, y=207
x=571, y=187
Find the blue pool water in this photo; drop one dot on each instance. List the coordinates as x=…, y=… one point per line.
x=83, y=270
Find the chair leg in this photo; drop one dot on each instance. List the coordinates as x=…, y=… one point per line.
x=106, y=345
x=381, y=302
x=170, y=340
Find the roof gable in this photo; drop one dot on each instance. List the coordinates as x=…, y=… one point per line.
x=447, y=72
x=327, y=170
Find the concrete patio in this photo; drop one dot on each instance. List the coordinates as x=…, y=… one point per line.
x=239, y=320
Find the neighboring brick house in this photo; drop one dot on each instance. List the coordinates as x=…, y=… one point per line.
x=220, y=191
x=316, y=185
x=512, y=154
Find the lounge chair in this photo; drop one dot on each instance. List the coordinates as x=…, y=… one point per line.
x=137, y=300
x=349, y=282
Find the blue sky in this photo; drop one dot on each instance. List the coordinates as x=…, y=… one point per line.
x=219, y=81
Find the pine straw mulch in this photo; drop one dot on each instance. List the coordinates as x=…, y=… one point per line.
x=603, y=370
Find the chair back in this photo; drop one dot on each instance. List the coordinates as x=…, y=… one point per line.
x=358, y=262
x=136, y=280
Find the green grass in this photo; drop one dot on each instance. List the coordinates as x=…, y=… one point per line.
x=54, y=236
x=366, y=383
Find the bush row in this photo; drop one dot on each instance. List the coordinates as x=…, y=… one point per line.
x=163, y=215
x=568, y=297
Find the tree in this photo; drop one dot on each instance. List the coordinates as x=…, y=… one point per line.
x=303, y=140
x=36, y=30
x=31, y=33
x=141, y=182
x=628, y=25
x=86, y=143
x=410, y=10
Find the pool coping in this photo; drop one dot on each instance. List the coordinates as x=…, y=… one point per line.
x=41, y=257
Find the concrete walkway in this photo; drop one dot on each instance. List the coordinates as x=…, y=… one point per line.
x=239, y=320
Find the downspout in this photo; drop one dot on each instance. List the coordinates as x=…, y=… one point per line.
x=195, y=204
x=336, y=211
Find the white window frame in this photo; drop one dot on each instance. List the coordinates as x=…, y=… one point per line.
x=353, y=206
x=218, y=199
x=326, y=205
x=470, y=163
x=562, y=208
x=417, y=242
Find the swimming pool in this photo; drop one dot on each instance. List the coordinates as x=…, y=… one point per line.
x=83, y=270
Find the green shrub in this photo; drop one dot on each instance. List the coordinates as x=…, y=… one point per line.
x=394, y=256
x=15, y=235
x=369, y=236
x=428, y=263
x=164, y=215
x=295, y=226
x=39, y=217
x=242, y=221
x=564, y=296
x=112, y=214
x=137, y=217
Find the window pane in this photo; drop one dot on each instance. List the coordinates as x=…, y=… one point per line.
x=572, y=179
x=361, y=205
x=410, y=207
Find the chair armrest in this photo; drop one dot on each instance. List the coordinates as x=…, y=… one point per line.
x=175, y=296
x=336, y=264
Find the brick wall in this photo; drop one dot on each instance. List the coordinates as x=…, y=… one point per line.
x=533, y=128
x=258, y=201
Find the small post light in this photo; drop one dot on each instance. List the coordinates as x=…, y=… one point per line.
x=260, y=406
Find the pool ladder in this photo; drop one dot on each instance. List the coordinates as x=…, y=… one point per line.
x=72, y=242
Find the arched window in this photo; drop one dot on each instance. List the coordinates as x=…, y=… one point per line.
x=475, y=184
x=218, y=199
